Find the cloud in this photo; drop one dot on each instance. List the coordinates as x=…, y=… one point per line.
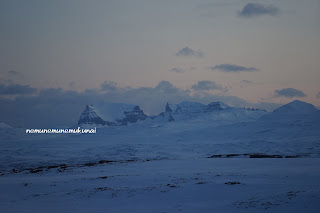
x=289, y=93
x=108, y=86
x=257, y=9
x=186, y=51
x=13, y=73
x=318, y=95
x=207, y=85
x=177, y=70
x=247, y=81
x=16, y=89
x=233, y=68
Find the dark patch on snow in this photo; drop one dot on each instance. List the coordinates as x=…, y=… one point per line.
x=90, y=164
x=36, y=170
x=229, y=155
x=105, y=161
x=201, y=182
x=265, y=156
x=293, y=156
x=104, y=177
x=52, y=167
x=232, y=183
x=267, y=202
x=257, y=155
x=103, y=189
x=63, y=167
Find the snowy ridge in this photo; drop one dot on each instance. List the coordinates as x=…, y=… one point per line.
x=195, y=107
x=214, y=111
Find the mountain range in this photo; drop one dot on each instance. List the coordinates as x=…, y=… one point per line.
x=116, y=114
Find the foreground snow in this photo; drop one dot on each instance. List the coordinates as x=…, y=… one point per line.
x=192, y=185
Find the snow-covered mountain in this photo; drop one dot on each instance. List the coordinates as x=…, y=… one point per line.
x=295, y=111
x=111, y=114
x=296, y=107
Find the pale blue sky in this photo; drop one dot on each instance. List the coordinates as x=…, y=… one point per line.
x=79, y=45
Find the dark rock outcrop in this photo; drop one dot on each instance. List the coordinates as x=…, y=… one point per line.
x=133, y=116
x=90, y=117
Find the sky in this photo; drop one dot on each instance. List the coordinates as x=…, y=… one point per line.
x=246, y=53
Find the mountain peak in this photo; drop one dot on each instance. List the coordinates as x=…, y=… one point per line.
x=297, y=106
x=3, y=125
x=89, y=116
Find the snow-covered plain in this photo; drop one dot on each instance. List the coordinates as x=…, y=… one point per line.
x=209, y=163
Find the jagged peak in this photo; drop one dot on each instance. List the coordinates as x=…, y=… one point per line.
x=168, y=109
